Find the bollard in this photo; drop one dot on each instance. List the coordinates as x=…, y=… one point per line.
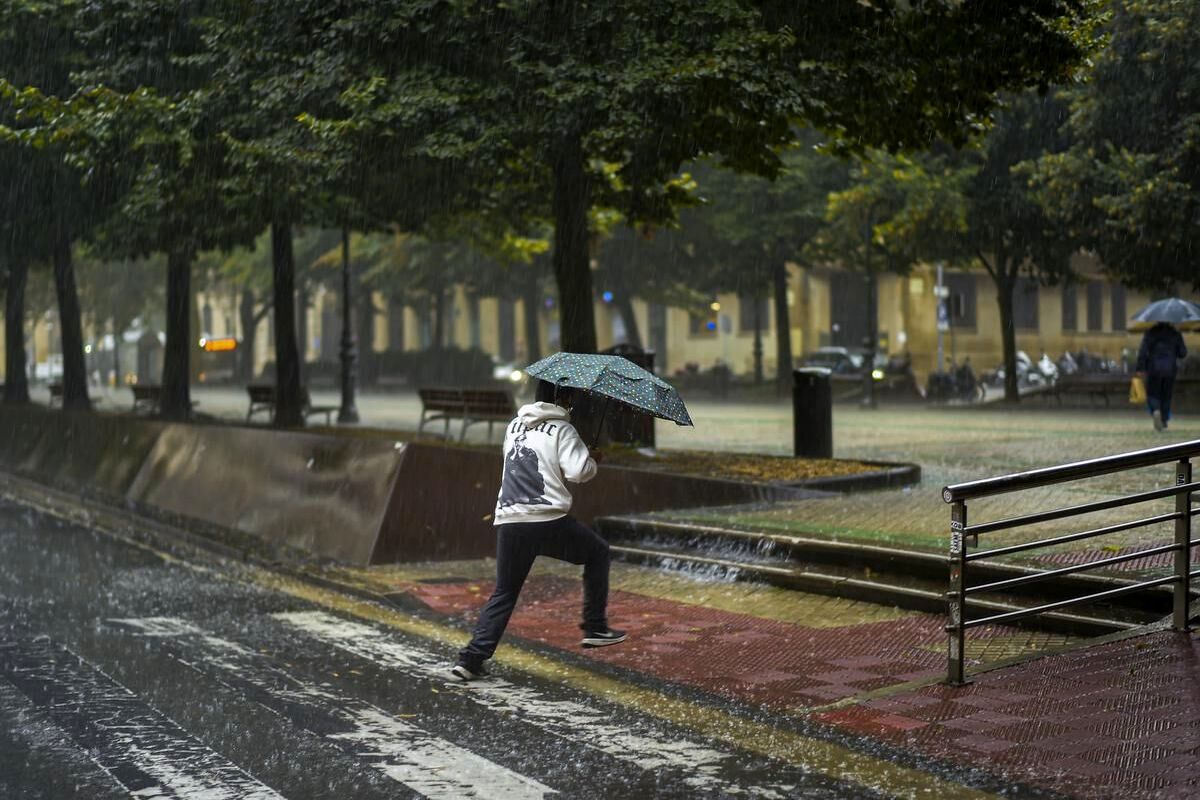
x=812, y=413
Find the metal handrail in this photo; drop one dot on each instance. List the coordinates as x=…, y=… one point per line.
x=1063, y=473
x=1029, y=612
x=1082, y=508
x=1074, y=537
x=963, y=535
x=1022, y=580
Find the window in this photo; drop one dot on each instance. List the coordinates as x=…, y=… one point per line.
x=1070, y=307
x=657, y=314
x=703, y=324
x=1119, y=322
x=474, y=321
x=507, y=323
x=1025, y=304
x=746, y=310
x=961, y=302
x=1095, y=306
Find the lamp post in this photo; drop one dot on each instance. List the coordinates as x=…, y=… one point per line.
x=349, y=345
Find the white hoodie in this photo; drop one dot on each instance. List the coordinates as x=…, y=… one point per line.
x=542, y=450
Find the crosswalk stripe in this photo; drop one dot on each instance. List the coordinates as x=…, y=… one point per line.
x=812, y=754
x=138, y=746
x=427, y=764
x=644, y=746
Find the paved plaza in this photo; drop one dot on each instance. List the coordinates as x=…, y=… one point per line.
x=850, y=690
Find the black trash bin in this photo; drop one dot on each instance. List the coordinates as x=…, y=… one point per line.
x=812, y=413
x=621, y=423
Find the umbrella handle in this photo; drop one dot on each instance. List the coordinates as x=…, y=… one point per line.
x=600, y=426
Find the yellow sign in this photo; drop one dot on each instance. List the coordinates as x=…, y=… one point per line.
x=219, y=345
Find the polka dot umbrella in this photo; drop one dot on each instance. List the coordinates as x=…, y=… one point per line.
x=614, y=377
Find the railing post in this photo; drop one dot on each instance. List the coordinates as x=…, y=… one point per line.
x=1183, y=540
x=957, y=596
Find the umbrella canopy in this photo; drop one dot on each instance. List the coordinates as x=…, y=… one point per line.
x=1180, y=313
x=615, y=377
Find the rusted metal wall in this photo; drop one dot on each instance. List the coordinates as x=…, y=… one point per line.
x=444, y=498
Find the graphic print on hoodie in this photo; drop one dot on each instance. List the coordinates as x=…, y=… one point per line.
x=522, y=482
x=542, y=453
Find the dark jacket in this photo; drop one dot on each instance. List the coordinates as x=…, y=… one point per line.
x=1161, y=349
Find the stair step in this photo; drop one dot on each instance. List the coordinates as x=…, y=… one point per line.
x=928, y=597
x=894, y=566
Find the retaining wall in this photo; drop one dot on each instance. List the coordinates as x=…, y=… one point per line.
x=356, y=499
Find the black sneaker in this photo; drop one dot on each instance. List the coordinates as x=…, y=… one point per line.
x=602, y=638
x=467, y=673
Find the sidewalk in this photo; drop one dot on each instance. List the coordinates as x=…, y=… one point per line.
x=1115, y=719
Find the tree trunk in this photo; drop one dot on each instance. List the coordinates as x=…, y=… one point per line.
x=758, y=345
x=396, y=333
x=531, y=301
x=118, y=379
x=16, y=388
x=368, y=368
x=439, y=320
x=1005, y=287
x=572, y=268
x=302, y=304
x=869, y=400
x=783, y=330
x=289, y=411
x=349, y=345
x=633, y=334
x=16, y=382
x=176, y=396
x=75, y=392
x=245, y=356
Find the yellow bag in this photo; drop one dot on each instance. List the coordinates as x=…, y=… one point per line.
x=1137, y=390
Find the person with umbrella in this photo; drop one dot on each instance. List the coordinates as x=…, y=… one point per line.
x=543, y=452
x=1161, y=349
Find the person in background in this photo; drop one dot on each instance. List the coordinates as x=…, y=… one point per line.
x=1157, y=363
x=542, y=453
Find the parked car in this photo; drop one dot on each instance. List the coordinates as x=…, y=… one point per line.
x=893, y=375
x=844, y=361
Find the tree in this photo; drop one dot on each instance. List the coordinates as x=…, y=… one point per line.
x=55, y=204
x=750, y=228
x=566, y=107
x=972, y=206
x=1129, y=185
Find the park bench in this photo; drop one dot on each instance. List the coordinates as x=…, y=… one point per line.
x=262, y=399
x=1101, y=386
x=469, y=405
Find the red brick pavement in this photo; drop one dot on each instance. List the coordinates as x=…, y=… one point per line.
x=1113, y=720
x=777, y=664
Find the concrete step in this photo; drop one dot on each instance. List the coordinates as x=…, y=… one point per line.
x=907, y=579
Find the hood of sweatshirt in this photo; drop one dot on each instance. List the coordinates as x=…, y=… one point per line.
x=536, y=413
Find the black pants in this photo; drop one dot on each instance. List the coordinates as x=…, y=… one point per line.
x=1159, y=389
x=517, y=545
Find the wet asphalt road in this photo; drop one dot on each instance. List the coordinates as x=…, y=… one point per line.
x=124, y=674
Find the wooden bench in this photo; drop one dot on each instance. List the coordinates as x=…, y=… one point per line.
x=1100, y=386
x=469, y=405
x=262, y=400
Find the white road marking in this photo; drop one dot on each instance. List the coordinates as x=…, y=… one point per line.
x=142, y=749
x=435, y=768
x=642, y=745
